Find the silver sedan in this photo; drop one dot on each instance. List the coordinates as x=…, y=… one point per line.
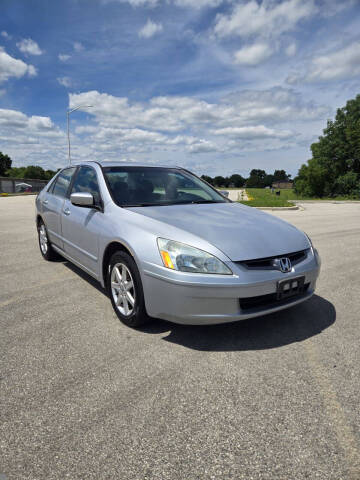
x=165, y=244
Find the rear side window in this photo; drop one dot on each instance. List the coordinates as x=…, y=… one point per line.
x=86, y=181
x=62, y=182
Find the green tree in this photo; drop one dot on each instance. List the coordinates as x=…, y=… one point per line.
x=312, y=180
x=268, y=180
x=16, y=172
x=334, y=156
x=281, y=176
x=31, y=171
x=348, y=184
x=34, y=171
x=207, y=179
x=50, y=173
x=237, y=180
x=5, y=164
x=220, y=181
x=256, y=179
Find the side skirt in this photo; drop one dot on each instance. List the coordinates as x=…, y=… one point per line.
x=78, y=264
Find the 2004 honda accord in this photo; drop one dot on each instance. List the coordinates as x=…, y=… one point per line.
x=165, y=244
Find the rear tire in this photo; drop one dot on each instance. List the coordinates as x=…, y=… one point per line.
x=46, y=249
x=124, y=287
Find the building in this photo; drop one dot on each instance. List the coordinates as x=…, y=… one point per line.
x=288, y=184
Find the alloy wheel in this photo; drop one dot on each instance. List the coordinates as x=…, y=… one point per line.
x=44, y=244
x=123, y=289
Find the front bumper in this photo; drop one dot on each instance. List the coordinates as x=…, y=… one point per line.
x=199, y=299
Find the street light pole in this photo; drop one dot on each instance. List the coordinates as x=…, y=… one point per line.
x=68, y=125
x=68, y=135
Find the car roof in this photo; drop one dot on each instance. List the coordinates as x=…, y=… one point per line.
x=114, y=163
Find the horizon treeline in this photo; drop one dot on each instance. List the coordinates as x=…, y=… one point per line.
x=257, y=179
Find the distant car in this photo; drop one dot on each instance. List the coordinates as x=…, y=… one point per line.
x=167, y=245
x=22, y=187
x=225, y=193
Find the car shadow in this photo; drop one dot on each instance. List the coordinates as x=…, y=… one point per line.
x=84, y=276
x=278, y=329
x=295, y=324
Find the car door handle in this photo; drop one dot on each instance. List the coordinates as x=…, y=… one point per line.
x=66, y=211
x=45, y=202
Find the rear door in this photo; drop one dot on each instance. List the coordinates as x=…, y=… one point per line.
x=81, y=225
x=52, y=203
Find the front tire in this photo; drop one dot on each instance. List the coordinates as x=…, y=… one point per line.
x=46, y=249
x=125, y=290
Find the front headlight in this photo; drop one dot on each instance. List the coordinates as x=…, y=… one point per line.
x=311, y=244
x=179, y=256
x=314, y=250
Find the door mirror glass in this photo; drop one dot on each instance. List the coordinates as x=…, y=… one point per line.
x=82, y=199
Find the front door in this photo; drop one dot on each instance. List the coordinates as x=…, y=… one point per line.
x=81, y=225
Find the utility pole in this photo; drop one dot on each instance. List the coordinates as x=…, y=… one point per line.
x=68, y=125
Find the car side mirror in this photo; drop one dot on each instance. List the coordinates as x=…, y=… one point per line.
x=82, y=199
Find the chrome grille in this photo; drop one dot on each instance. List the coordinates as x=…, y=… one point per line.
x=268, y=262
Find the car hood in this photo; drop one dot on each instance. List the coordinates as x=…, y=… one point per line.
x=241, y=232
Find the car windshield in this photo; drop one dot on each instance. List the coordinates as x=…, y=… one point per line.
x=149, y=186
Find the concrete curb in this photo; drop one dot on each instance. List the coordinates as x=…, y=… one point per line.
x=295, y=207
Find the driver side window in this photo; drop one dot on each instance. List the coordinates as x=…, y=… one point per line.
x=86, y=181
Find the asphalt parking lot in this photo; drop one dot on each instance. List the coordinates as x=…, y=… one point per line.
x=84, y=397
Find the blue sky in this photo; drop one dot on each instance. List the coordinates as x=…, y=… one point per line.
x=218, y=86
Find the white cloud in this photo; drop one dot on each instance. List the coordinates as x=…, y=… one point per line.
x=136, y=3
x=340, y=64
x=242, y=121
x=174, y=114
x=150, y=29
x=253, y=55
x=163, y=127
x=275, y=105
x=29, y=46
x=202, y=146
x=63, y=57
x=266, y=18
x=18, y=120
x=5, y=35
x=251, y=132
x=78, y=46
x=198, y=3
x=32, y=139
x=32, y=71
x=40, y=123
x=12, y=67
x=290, y=50
x=65, y=81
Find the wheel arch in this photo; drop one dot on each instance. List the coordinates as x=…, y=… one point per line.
x=39, y=219
x=110, y=249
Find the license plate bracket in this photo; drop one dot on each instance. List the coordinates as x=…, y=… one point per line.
x=290, y=287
